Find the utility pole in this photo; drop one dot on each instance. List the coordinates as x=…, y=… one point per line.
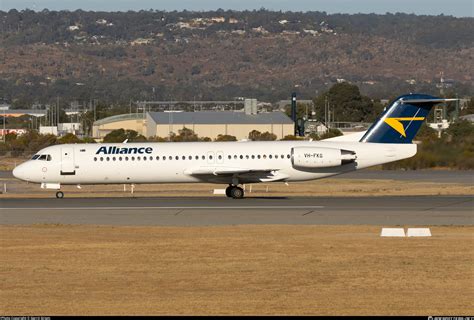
x=57, y=111
x=4, y=130
x=326, y=113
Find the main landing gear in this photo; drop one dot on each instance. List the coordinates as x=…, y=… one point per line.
x=59, y=195
x=234, y=192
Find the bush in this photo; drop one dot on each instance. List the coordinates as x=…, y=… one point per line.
x=225, y=137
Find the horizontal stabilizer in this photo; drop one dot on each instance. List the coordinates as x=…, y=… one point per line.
x=434, y=100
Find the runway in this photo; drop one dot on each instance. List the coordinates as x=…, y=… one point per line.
x=384, y=211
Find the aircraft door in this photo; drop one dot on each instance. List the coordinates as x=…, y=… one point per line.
x=67, y=161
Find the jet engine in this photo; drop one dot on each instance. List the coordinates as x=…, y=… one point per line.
x=318, y=157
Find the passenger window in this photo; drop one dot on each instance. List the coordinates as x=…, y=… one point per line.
x=183, y=157
x=114, y=158
x=120, y=158
x=220, y=157
x=229, y=157
x=190, y=157
x=176, y=157
x=258, y=156
x=235, y=156
x=253, y=156
x=101, y=158
x=241, y=157
x=196, y=157
x=133, y=158
x=157, y=157
x=126, y=158
x=108, y=159
x=203, y=157
x=95, y=158
x=246, y=156
x=288, y=156
x=170, y=157
x=270, y=156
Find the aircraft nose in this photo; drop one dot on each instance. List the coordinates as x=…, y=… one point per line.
x=20, y=172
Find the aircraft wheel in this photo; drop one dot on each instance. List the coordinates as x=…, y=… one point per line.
x=237, y=193
x=228, y=191
x=59, y=195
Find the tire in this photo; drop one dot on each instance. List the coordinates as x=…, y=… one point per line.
x=59, y=194
x=237, y=193
x=228, y=191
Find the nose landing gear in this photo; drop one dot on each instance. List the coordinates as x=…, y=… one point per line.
x=234, y=192
x=59, y=195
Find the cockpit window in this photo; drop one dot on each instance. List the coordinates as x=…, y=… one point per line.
x=36, y=156
x=45, y=157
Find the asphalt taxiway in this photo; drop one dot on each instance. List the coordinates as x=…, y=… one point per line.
x=386, y=211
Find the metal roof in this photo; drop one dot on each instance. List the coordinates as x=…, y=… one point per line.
x=219, y=117
x=120, y=117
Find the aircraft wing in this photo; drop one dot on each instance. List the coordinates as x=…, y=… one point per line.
x=263, y=175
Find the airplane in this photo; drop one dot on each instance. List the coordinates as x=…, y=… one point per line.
x=388, y=139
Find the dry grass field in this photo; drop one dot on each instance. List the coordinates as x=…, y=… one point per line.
x=297, y=270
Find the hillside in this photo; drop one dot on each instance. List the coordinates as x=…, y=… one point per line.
x=118, y=57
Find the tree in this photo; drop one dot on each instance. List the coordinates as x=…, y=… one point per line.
x=301, y=109
x=346, y=104
x=69, y=138
x=469, y=107
x=331, y=133
x=185, y=134
x=291, y=137
x=462, y=131
x=120, y=135
x=256, y=135
x=225, y=137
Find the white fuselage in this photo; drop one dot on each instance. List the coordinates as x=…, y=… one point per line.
x=186, y=162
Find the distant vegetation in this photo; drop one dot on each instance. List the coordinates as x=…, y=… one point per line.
x=455, y=149
x=116, y=57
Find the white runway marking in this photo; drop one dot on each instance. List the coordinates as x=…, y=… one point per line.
x=165, y=208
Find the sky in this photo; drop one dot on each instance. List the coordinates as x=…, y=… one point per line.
x=457, y=8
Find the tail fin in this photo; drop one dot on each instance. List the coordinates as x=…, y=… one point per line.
x=400, y=121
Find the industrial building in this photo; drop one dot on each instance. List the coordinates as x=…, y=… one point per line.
x=211, y=124
x=203, y=123
x=132, y=121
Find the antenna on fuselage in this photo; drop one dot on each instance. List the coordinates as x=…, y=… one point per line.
x=125, y=141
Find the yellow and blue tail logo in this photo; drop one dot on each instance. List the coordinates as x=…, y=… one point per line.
x=400, y=122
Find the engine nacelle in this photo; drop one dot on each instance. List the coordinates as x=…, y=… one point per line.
x=316, y=157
